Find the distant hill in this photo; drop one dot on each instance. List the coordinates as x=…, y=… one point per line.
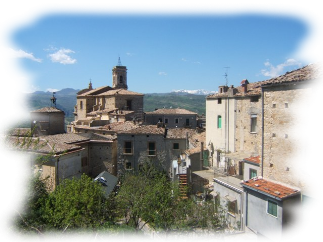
x=66, y=100
x=191, y=102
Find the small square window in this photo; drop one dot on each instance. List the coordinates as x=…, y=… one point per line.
x=232, y=206
x=286, y=105
x=254, y=98
x=128, y=165
x=272, y=208
x=274, y=135
x=175, y=146
x=252, y=173
x=219, y=100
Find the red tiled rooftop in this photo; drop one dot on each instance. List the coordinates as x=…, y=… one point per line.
x=270, y=188
x=171, y=111
x=253, y=159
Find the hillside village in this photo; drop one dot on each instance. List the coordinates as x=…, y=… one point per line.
x=237, y=156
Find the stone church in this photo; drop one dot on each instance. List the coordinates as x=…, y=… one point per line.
x=104, y=105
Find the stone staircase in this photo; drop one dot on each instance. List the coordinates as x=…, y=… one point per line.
x=183, y=185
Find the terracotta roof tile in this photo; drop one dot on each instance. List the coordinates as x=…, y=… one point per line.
x=253, y=159
x=306, y=73
x=145, y=129
x=119, y=92
x=270, y=188
x=171, y=111
x=48, y=110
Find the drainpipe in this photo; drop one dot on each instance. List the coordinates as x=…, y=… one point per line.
x=262, y=131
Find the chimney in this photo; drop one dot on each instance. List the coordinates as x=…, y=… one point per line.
x=244, y=84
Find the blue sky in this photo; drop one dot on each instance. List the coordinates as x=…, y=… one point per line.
x=162, y=53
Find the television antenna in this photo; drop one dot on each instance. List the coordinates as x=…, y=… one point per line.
x=226, y=75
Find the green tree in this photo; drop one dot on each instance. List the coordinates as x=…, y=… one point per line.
x=78, y=203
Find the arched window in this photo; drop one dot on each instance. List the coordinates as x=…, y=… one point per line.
x=121, y=79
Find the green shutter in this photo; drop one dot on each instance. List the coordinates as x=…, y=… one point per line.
x=219, y=122
x=272, y=208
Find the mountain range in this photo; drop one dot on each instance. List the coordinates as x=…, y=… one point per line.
x=66, y=99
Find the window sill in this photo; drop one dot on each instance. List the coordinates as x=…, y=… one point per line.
x=312, y=170
x=127, y=153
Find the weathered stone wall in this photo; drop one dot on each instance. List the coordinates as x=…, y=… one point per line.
x=171, y=123
x=279, y=141
x=246, y=141
x=102, y=157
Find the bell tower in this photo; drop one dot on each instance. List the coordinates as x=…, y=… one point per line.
x=119, y=76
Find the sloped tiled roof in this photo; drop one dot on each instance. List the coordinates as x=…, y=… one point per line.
x=120, y=126
x=306, y=73
x=95, y=91
x=114, y=92
x=253, y=159
x=270, y=188
x=145, y=129
x=171, y=111
x=47, y=110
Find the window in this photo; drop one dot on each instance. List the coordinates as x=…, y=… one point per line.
x=127, y=147
x=252, y=173
x=81, y=104
x=254, y=98
x=176, y=120
x=316, y=88
x=232, y=206
x=128, y=165
x=219, y=100
x=219, y=121
x=151, y=149
x=286, y=105
x=175, y=146
x=187, y=122
x=253, y=126
x=274, y=105
x=314, y=146
x=166, y=120
x=272, y=208
x=121, y=79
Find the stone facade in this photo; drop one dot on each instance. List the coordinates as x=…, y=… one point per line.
x=47, y=121
x=172, y=118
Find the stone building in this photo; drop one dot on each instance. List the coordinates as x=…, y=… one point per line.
x=280, y=104
x=172, y=118
x=233, y=127
x=47, y=121
x=104, y=105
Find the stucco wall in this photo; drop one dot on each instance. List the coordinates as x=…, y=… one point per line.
x=257, y=217
x=222, y=138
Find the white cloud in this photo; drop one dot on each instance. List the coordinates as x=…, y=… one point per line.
x=183, y=59
x=162, y=73
x=130, y=54
x=274, y=71
x=61, y=56
x=20, y=78
x=51, y=90
x=24, y=54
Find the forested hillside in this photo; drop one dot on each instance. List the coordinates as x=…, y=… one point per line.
x=66, y=100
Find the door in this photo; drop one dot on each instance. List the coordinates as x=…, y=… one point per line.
x=312, y=217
